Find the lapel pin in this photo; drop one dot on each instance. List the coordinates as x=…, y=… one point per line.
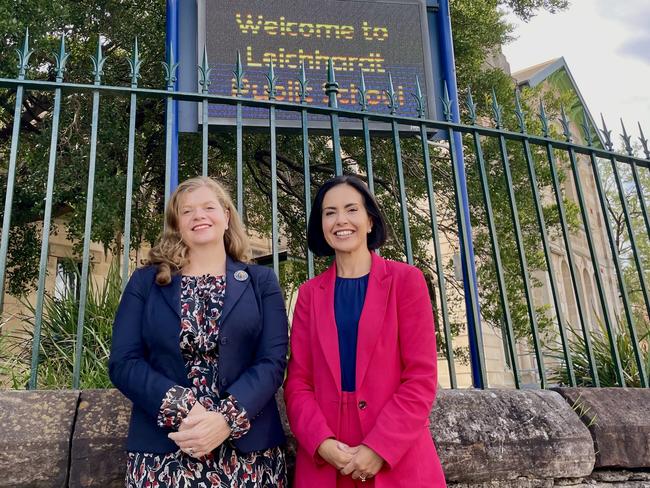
x=241, y=275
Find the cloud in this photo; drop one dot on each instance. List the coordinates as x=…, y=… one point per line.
x=633, y=13
x=636, y=47
x=631, y=16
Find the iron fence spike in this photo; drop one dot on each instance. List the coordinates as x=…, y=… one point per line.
x=170, y=69
x=331, y=76
x=471, y=106
x=98, y=62
x=644, y=142
x=390, y=93
x=61, y=58
x=272, y=79
x=626, y=140
x=419, y=97
x=331, y=87
x=205, y=70
x=543, y=119
x=239, y=75
x=496, y=110
x=363, y=101
x=135, y=63
x=565, y=124
x=23, y=56
x=607, y=134
x=304, y=82
x=521, y=115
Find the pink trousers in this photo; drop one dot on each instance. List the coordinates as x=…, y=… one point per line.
x=352, y=435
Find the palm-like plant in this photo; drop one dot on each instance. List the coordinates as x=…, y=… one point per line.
x=58, y=339
x=602, y=357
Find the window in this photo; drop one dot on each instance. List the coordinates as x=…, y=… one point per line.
x=67, y=282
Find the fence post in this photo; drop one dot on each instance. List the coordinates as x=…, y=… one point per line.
x=172, y=54
x=443, y=20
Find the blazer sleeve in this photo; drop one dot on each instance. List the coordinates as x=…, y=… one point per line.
x=259, y=382
x=401, y=420
x=127, y=366
x=305, y=416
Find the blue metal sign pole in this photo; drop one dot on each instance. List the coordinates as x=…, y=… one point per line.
x=172, y=43
x=440, y=33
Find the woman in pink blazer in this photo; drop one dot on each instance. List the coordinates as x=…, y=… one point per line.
x=362, y=373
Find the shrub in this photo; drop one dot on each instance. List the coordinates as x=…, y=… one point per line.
x=58, y=339
x=602, y=357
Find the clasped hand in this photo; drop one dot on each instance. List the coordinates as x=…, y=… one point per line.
x=357, y=461
x=201, y=432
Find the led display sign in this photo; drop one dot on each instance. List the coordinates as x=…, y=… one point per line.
x=373, y=36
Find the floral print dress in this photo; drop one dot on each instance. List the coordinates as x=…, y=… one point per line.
x=225, y=467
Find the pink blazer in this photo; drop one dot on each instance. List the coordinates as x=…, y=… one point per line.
x=395, y=377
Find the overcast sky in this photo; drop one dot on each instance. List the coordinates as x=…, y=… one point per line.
x=606, y=45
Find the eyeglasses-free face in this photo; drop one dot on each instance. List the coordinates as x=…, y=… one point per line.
x=201, y=218
x=345, y=221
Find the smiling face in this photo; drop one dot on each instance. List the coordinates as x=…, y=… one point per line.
x=345, y=221
x=201, y=218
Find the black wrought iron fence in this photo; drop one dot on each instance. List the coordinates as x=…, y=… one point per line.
x=530, y=218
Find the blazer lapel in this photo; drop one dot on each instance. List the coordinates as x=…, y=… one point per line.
x=326, y=323
x=237, y=280
x=371, y=321
x=172, y=294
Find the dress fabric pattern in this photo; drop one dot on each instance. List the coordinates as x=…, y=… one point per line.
x=225, y=467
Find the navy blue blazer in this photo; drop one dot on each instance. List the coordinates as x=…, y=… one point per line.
x=146, y=360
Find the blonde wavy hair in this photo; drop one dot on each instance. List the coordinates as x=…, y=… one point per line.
x=170, y=254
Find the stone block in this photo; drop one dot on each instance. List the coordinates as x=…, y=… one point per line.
x=489, y=435
x=619, y=421
x=619, y=476
x=98, y=456
x=515, y=483
x=36, y=430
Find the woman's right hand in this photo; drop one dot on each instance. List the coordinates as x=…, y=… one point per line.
x=336, y=453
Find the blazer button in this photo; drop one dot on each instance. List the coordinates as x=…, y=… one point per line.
x=224, y=382
x=362, y=405
x=224, y=341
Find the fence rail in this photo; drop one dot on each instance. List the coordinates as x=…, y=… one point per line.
x=522, y=185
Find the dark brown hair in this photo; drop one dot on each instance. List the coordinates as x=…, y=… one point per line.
x=315, y=238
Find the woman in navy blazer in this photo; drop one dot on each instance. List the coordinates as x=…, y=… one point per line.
x=199, y=346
